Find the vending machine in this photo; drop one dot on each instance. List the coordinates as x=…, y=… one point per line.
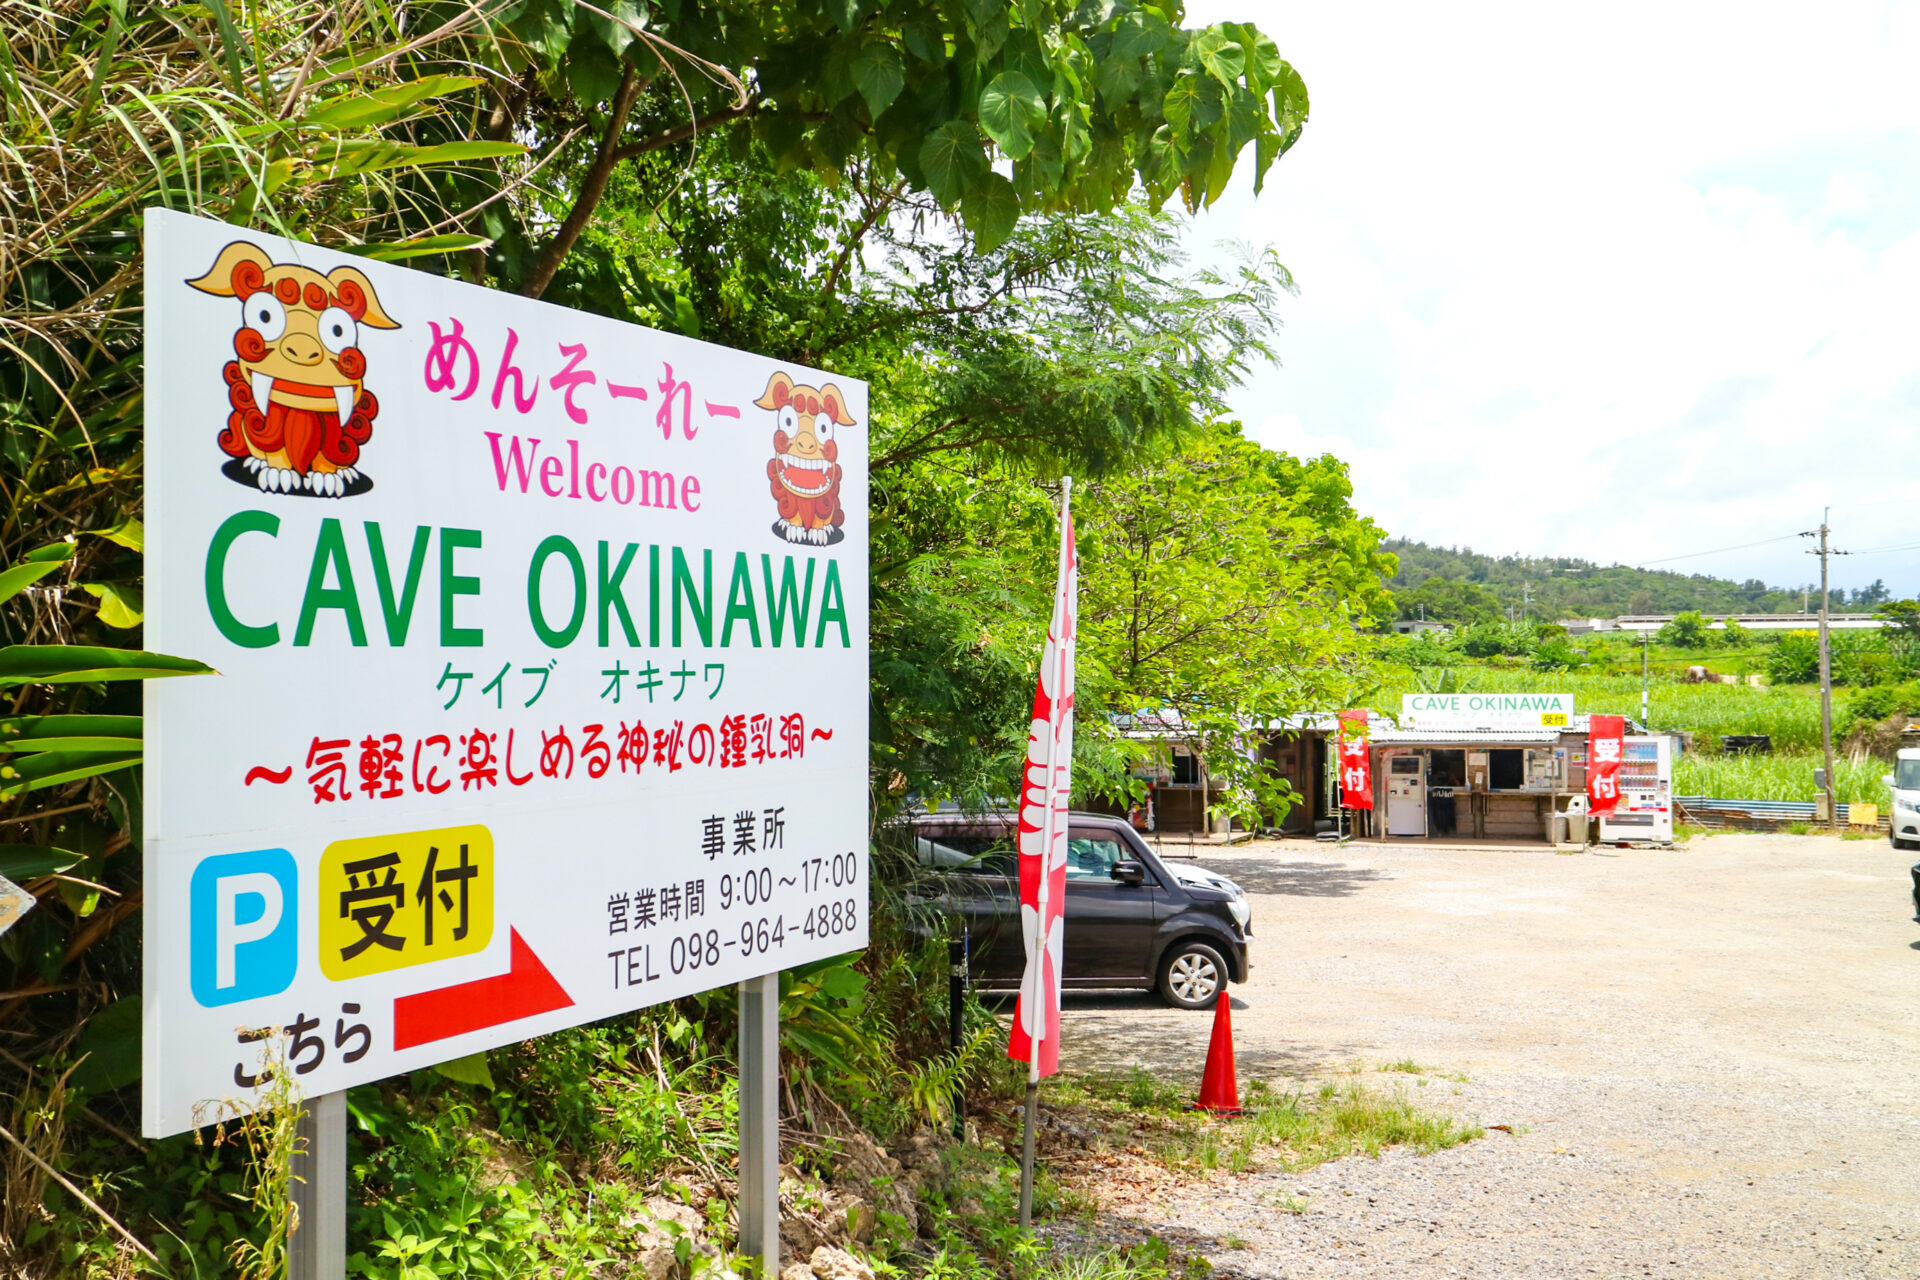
x=1645, y=811
x=1407, y=795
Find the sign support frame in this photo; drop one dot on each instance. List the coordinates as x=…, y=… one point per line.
x=317, y=1182
x=760, y=1121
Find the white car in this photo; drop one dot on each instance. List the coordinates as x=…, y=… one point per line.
x=1903, y=826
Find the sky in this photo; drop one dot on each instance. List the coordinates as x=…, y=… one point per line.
x=1630, y=282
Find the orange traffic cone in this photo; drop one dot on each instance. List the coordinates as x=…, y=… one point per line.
x=1219, y=1093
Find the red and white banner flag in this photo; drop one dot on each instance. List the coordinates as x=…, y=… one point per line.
x=1356, y=768
x=1605, y=742
x=1046, y=787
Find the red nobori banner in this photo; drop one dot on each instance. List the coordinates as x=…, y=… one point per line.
x=1046, y=787
x=1356, y=770
x=1605, y=741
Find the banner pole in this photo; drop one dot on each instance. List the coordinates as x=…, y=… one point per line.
x=1036, y=943
x=317, y=1180
x=1026, y=1155
x=760, y=1122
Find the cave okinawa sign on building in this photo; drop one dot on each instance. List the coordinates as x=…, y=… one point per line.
x=542, y=653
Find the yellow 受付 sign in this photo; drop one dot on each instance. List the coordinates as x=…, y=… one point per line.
x=387, y=902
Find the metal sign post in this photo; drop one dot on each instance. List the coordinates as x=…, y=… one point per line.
x=760, y=1122
x=317, y=1249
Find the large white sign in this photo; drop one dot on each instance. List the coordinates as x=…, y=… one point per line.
x=542, y=644
x=1486, y=710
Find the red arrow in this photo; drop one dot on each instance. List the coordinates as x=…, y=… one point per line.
x=526, y=988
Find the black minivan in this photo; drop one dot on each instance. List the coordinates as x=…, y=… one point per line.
x=1131, y=919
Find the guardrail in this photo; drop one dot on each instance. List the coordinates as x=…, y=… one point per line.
x=1759, y=815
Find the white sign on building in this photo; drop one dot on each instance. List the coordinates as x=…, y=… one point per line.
x=542, y=653
x=1486, y=710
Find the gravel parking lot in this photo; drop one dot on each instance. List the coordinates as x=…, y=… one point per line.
x=1709, y=1058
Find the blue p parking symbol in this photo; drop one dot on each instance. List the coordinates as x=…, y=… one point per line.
x=243, y=924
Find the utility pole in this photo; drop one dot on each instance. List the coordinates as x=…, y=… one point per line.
x=1646, y=648
x=1826, y=667
x=1525, y=598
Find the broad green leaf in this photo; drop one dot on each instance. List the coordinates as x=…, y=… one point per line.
x=1263, y=57
x=991, y=209
x=1266, y=149
x=471, y=1069
x=23, y=862
x=71, y=663
x=1119, y=76
x=1220, y=55
x=952, y=158
x=70, y=733
x=111, y=1048
x=843, y=982
x=1179, y=103
x=1289, y=105
x=1246, y=117
x=1139, y=35
x=37, y=565
x=615, y=31
x=400, y=250
x=925, y=37
x=120, y=605
x=129, y=533
x=878, y=75
x=844, y=13
x=1010, y=107
x=383, y=106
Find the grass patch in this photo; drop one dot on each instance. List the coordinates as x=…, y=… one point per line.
x=1292, y=1129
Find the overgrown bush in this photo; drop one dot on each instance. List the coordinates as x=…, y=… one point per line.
x=1556, y=655
x=1687, y=630
x=1498, y=639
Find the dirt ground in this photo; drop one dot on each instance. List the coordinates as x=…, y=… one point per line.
x=1709, y=1058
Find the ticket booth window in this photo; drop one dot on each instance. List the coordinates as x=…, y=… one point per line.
x=1506, y=770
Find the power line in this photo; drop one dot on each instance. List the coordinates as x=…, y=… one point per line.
x=1694, y=555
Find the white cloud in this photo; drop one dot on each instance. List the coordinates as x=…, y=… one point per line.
x=1623, y=283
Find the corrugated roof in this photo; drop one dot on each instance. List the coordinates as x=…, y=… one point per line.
x=1382, y=736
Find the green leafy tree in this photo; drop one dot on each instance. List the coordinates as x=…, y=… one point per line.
x=1083, y=347
x=1442, y=600
x=989, y=109
x=1901, y=615
x=1228, y=585
x=1499, y=639
x=1687, y=630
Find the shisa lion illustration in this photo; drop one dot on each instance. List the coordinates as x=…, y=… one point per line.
x=300, y=408
x=804, y=472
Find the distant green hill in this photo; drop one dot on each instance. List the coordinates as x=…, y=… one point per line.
x=1457, y=584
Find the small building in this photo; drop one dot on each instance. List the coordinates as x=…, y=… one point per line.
x=1466, y=766
x=1493, y=766
x=1639, y=623
x=1179, y=789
